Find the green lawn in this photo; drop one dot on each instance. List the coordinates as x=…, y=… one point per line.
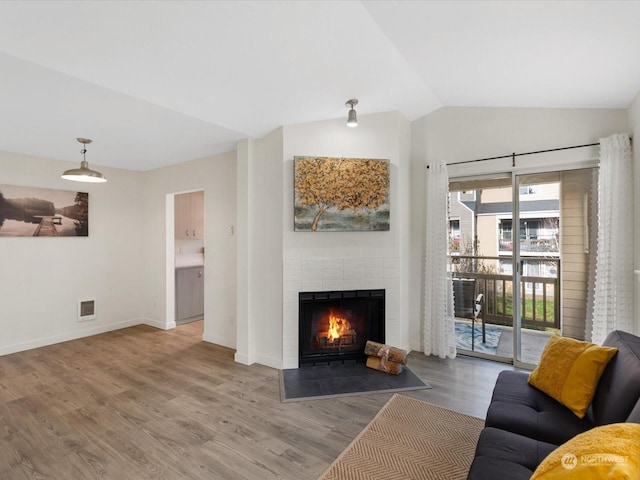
x=528, y=308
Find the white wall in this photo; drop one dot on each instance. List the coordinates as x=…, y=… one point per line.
x=459, y=133
x=216, y=176
x=634, y=129
x=349, y=260
x=266, y=259
x=244, y=321
x=122, y=262
x=377, y=136
x=259, y=300
x=42, y=279
x=266, y=240
x=186, y=246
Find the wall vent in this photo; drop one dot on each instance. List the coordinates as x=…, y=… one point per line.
x=86, y=310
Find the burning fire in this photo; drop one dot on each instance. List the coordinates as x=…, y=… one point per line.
x=338, y=327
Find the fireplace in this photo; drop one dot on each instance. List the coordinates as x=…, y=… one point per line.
x=334, y=326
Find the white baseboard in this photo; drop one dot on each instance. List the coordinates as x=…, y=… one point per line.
x=243, y=359
x=270, y=362
x=266, y=361
x=212, y=338
x=287, y=364
x=157, y=324
x=65, y=337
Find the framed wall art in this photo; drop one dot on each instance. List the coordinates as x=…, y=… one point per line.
x=43, y=212
x=341, y=194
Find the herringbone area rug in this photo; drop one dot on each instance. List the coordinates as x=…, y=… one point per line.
x=410, y=439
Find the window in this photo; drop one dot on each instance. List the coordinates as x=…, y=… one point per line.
x=454, y=235
x=526, y=190
x=529, y=229
x=536, y=234
x=505, y=232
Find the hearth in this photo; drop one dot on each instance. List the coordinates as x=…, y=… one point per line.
x=334, y=326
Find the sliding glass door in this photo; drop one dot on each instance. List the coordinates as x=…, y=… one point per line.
x=520, y=258
x=482, y=279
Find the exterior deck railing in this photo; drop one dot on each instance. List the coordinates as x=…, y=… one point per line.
x=540, y=295
x=545, y=245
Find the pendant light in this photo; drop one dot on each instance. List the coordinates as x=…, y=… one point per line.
x=352, y=119
x=84, y=173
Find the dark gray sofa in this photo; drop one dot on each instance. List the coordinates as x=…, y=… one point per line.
x=524, y=425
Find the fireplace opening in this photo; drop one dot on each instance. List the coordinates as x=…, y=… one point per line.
x=334, y=326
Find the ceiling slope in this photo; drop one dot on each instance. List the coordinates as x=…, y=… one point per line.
x=160, y=82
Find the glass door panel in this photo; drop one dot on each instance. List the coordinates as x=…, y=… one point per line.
x=482, y=281
x=554, y=256
x=545, y=253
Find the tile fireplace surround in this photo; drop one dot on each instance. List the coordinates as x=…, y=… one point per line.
x=326, y=274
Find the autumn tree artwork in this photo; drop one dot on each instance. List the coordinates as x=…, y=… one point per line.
x=341, y=194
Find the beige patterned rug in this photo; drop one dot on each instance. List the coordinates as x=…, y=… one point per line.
x=410, y=439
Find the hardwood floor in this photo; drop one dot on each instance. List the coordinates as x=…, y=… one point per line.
x=142, y=403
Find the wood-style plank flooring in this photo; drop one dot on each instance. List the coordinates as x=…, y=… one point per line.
x=142, y=403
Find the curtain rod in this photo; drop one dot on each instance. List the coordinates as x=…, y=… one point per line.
x=514, y=155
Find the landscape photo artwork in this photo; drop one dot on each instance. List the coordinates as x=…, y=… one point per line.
x=341, y=194
x=43, y=212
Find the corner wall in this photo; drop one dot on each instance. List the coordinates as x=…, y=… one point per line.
x=634, y=129
x=315, y=261
x=271, y=255
x=259, y=300
x=42, y=279
x=216, y=176
x=122, y=264
x=457, y=134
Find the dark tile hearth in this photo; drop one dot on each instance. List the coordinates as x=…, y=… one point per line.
x=342, y=379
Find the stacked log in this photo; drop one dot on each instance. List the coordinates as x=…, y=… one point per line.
x=385, y=357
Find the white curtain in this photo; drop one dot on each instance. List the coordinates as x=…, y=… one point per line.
x=439, y=325
x=613, y=296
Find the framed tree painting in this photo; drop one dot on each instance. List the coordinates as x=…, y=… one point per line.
x=341, y=194
x=43, y=212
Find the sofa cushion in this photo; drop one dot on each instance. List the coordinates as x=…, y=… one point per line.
x=490, y=468
x=609, y=451
x=502, y=454
x=510, y=446
x=518, y=407
x=619, y=387
x=569, y=371
x=634, y=416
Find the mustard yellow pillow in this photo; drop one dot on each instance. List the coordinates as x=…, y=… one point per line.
x=569, y=371
x=609, y=452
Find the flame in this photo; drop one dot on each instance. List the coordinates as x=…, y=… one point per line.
x=338, y=326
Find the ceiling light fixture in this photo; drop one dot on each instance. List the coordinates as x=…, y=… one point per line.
x=352, y=119
x=84, y=173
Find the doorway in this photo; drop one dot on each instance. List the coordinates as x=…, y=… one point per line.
x=520, y=249
x=185, y=257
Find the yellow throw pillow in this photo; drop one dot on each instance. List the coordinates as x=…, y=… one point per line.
x=569, y=371
x=609, y=452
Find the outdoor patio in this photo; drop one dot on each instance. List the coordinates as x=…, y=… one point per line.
x=499, y=340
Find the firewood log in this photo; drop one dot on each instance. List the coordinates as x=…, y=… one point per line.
x=390, y=367
x=376, y=349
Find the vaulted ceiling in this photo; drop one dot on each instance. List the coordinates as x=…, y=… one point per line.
x=155, y=83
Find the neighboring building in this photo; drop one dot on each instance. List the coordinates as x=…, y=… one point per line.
x=485, y=216
x=555, y=223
